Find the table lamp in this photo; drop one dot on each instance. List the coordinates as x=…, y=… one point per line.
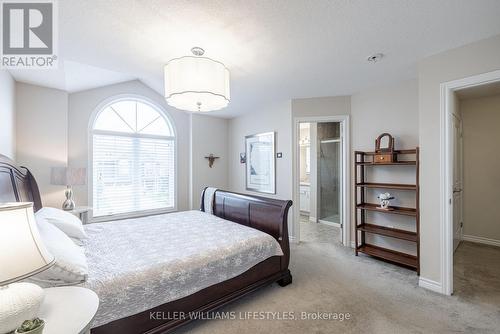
x=22, y=254
x=68, y=176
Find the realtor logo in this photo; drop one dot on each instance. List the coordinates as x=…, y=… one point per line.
x=28, y=34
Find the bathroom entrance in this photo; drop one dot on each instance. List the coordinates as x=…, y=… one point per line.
x=321, y=181
x=329, y=173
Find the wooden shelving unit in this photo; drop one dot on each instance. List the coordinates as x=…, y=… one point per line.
x=390, y=255
x=387, y=186
x=389, y=232
x=364, y=160
x=397, y=210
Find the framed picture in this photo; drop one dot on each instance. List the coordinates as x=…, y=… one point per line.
x=261, y=163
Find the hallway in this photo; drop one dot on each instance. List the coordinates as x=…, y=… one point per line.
x=477, y=274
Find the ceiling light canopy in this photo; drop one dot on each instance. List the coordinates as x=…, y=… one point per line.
x=196, y=83
x=375, y=57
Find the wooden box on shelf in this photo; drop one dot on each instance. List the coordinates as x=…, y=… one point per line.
x=384, y=154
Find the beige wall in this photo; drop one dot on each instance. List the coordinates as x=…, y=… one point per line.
x=275, y=117
x=7, y=115
x=392, y=109
x=52, y=130
x=321, y=106
x=208, y=135
x=41, y=135
x=83, y=104
x=481, y=137
x=369, y=114
x=469, y=60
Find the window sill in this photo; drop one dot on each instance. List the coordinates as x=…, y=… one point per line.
x=129, y=215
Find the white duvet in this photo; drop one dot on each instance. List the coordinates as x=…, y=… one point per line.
x=137, y=264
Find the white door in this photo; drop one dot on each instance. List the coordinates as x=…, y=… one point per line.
x=457, y=182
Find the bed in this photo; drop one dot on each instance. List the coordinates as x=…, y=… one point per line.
x=195, y=289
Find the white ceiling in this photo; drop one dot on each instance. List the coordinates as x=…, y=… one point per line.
x=275, y=50
x=72, y=76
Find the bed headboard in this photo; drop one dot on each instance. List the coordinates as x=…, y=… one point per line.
x=17, y=184
x=265, y=214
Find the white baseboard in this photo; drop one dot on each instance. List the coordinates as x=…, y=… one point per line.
x=353, y=244
x=329, y=223
x=292, y=239
x=430, y=285
x=481, y=240
x=313, y=219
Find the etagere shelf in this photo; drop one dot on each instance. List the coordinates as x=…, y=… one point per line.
x=363, y=161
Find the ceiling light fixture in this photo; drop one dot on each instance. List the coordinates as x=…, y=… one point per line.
x=375, y=58
x=196, y=83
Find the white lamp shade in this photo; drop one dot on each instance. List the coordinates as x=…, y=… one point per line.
x=22, y=252
x=197, y=84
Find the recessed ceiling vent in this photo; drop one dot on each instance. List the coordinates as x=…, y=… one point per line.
x=375, y=58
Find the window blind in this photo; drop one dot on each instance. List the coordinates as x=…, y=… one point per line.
x=132, y=173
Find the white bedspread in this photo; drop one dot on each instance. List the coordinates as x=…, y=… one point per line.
x=138, y=264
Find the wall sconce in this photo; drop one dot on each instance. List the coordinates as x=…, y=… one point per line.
x=211, y=158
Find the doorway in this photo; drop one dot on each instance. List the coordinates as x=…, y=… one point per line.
x=471, y=114
x=321, y=179
x=329, y=162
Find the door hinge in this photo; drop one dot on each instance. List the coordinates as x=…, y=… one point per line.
x=450, y=201
x=461, y=224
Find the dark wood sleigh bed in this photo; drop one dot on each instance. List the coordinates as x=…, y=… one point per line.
x=17, y=184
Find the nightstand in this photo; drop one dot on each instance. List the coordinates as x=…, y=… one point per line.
x=68, y=309
x=81, y=212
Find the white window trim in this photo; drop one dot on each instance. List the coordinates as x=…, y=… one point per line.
x=90, y=132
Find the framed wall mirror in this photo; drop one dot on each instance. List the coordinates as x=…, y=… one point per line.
x=261, y=162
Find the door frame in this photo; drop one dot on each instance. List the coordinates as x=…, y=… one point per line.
x=461, y=172
x=318, y=178
x=447, y=89
x=346, y=172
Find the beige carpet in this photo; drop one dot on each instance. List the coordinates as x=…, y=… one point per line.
x=380, y=297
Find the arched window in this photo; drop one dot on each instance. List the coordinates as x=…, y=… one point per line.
x=133, y=159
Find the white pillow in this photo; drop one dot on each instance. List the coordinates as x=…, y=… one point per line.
x=70, y=265
x=64, y=221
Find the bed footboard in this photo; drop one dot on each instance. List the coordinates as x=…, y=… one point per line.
x=265, y=214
